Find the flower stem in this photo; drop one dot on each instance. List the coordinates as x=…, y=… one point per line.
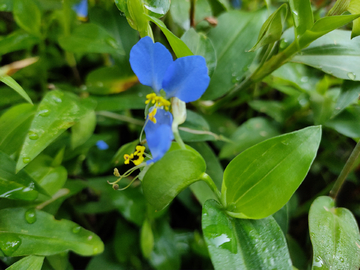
x=345, y=171
x=177, y=136
x=206, y=178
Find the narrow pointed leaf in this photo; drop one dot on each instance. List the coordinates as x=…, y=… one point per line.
x=33, y=232
x=29, y=262
x=57, y=112
x=262, y=179
x=302, y=15
x=15, y=86
x=243, y=244
x=167, y=177
x=334, y=235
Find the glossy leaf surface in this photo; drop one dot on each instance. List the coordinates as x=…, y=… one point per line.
x=28, y=16
x=29, y=262
x=167, y=177
x=334, y=235
x=243, y=244
x=57, y=112
x=302, y=15
x=14, y=85
x=261, y=180
x=25, y=232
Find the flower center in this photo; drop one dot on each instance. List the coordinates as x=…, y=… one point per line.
x=137, y=157
x=158, y=101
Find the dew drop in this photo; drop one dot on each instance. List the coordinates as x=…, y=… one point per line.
x=33, y=135
x=96, y=250
x=234, y=80
x=57, y=99
x=304, y=79
x=351, y=76
x=9, y=243
x=111, y=42
x=30, y=216
x=26, y=160
x=76, y=229
x=44, y=112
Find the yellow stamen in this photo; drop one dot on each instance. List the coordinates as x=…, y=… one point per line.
x=158, y=101
x=152, y=115
x=139, y=152
x=128, y=158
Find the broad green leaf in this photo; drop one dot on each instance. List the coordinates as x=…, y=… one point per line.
x=334, y=53
x=219, y=6
x=6, y=5
x=32, y=232
x=180, y=11
x=251, y=132
x=14, y=85
x=324, y=26
x=334, y=236
x=347, y=122
x=110, y=80
x=105, y=260
x=272, y=108
x=200, y=44
x=146, y=239
x=14, y=126
x=243, y=244
x=157, y=8
x=47, y=176
x=29, y=262
x=179, y=47
x=28, y=16
x=82, y=130
x=232, y=38
x=203, y=11
x=195, y=128
x=272, y=28
x=302, y=15
x=17, y=40
x=125, y=233
x=282, y=218
x=171, y=174
x=350, y=92
x=57, y=112
x=18, y=186
x=90, y=38
x=339, y=7
x=262, y=179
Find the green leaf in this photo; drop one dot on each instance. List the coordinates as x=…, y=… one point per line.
x=18, y=186
x=272, y=28
x=17, y=40
x=243, y=244
x=57, y=112
x=29, y=262
x=146, y=239
x=347, y=122
x=6, y=5
x=14, y=85
x=180, y=11
x=339, y=7
x=324, y=26
x=302, y=15
x=82, y=130
x=24, y=232
x=14, y=126
x=253, y=131
x=350, y=92
x=271, y=170
x=195, y=128
x=354, y=8
x=90, y=38
x=179, y=47
x=28, y=16
x=175, y=171
x=334, y=235
x=157, y=8
x=200, y=44
x=47, y=176
x=333, y=53
x=127, y=148
x=232, y=39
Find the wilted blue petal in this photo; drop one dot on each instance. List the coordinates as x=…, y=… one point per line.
x=186, y=78
x=159, y=135
x=81, y=9
x=101, y=145
x=149, y=61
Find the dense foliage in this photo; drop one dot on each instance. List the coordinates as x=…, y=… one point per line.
x=226, y=144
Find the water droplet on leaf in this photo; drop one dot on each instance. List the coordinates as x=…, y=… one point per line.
x=26, y=160
x=30, y=216
x=9, y=243
x=351, y=76
x=76, y=229
x=33, y=135
x=44, y=112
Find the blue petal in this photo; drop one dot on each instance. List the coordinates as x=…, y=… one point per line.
x=81, y=9
x=186, y=78
x=159, y=135
x=101, y=145
x=149, y=62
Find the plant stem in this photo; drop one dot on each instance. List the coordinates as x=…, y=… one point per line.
x=345, y=171
x=177, y=136
x=121, y=117
x=206, y=178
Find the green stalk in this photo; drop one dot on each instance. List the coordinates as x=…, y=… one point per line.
x=206, y=178
x=345, y=171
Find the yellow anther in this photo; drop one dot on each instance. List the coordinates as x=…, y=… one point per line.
x=150, y=97
x=116, y=172
x=152, y=115
x=138, y=161
x=128, y=158
x=138, y=154
x=158, y=101
x=139, y=150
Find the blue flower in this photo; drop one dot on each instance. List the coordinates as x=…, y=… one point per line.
x=186, y=78
x=81, y=10
x=101, y=145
